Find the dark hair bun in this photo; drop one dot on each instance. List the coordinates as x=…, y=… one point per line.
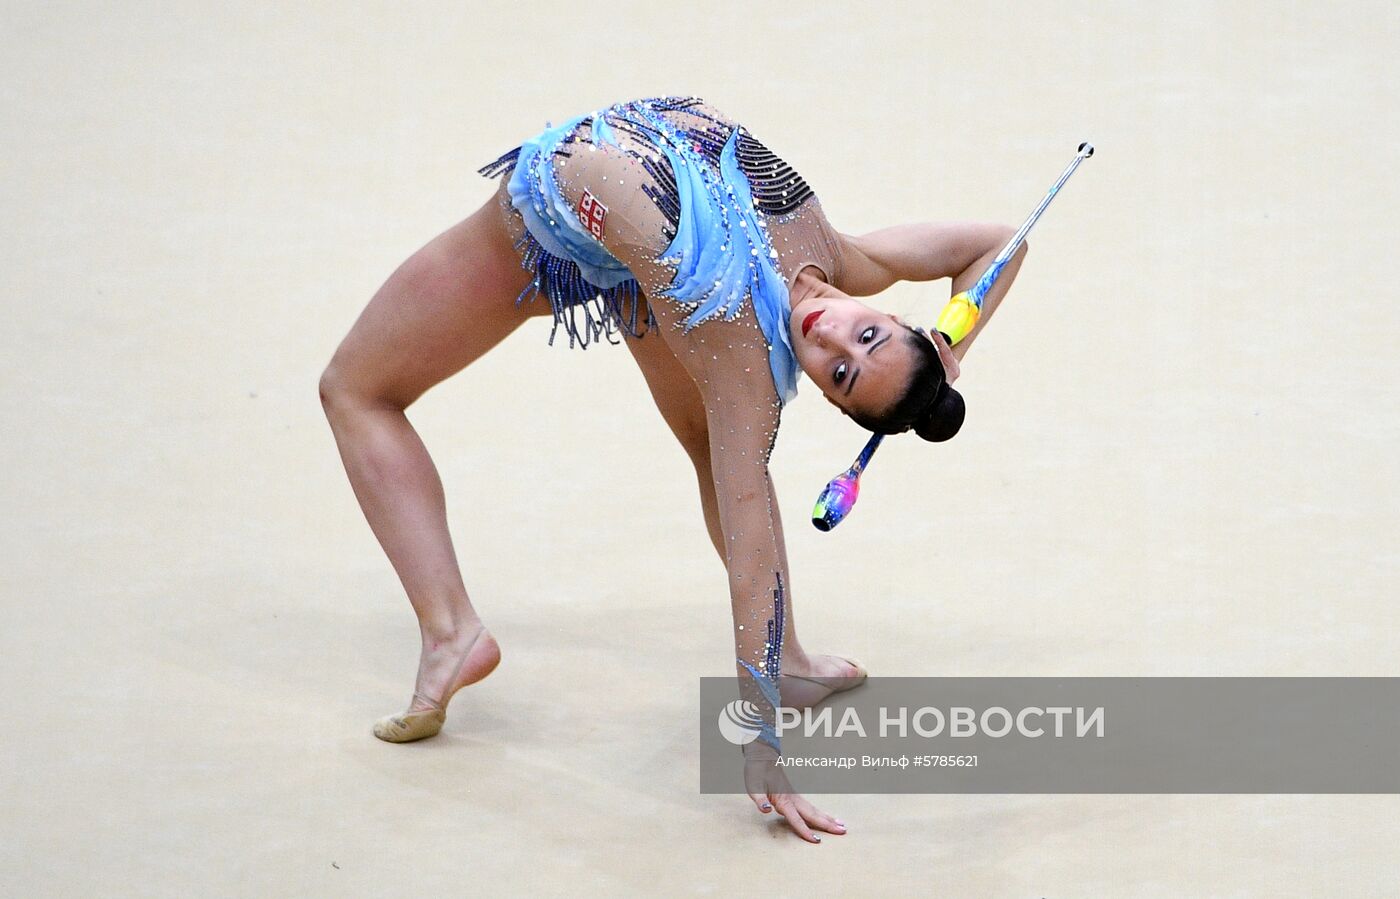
x=944, y=416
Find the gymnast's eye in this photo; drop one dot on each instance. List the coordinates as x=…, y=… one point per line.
x=840, y=374
x=867, y=335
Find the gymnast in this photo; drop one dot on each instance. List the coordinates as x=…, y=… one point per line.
x=663, y=224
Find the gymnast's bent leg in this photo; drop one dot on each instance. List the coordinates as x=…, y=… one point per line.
x=449, y=303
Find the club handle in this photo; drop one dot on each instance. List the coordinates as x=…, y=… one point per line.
x=1084, y=151
x=863, y=459
x=977, y=291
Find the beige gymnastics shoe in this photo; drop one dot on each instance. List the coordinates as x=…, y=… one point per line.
x=419, y=724
x=853, y=682
x=798, y=691
x=406, y=727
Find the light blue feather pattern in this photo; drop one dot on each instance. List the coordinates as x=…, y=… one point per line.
x=722, y=254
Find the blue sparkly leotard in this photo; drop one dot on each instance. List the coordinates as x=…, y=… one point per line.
x=723, y=196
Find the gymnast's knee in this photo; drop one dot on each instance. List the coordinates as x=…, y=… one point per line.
x=334, y=389
x=342, y=393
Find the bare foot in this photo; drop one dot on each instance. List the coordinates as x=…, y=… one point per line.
x=453, y=663
x=803, y=685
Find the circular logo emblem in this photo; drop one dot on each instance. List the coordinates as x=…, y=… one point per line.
x=739, y=722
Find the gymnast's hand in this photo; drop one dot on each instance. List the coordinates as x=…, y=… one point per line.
x=769, y=789
x=945, y=355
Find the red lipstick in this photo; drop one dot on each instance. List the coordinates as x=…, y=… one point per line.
x=810, y=320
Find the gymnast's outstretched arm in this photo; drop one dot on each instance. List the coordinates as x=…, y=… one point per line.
x=929, y=251
x=728, y=361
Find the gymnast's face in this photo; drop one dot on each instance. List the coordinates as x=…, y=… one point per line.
x=858, y=356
